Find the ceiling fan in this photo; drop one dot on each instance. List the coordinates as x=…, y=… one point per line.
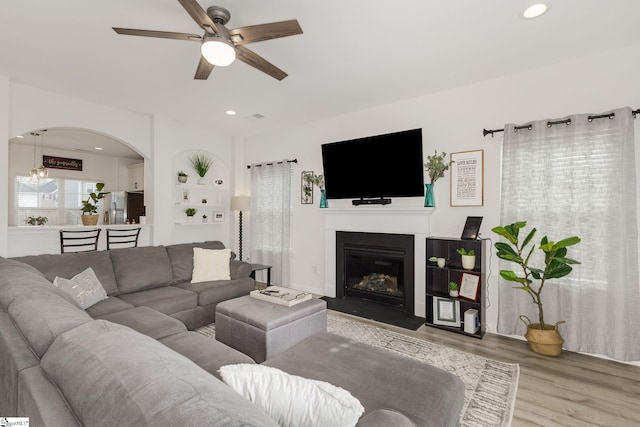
x=221, y=46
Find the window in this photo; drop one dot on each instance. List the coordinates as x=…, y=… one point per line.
x=57, y=199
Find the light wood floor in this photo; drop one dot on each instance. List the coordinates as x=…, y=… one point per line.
x=570, y=390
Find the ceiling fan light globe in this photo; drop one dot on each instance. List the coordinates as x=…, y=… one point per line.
x=218, y=51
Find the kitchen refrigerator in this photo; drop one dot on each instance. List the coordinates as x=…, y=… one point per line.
x=123, y=206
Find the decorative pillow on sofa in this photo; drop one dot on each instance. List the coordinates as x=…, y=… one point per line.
x=84, y=288
x=210, y=264
x=292, y=400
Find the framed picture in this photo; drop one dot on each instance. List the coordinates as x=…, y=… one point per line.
x=185, y=196
x=218, y=217
x=306, y=188
x=469, y=286
x=446, y=312
x=467, y=178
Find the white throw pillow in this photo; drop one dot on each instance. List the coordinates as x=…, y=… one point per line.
x=84, y=288
x=210, y=264
x=293, y=401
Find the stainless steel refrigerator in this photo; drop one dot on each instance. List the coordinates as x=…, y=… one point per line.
x=123, y=206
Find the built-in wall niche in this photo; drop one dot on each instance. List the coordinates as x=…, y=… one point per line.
x=109, y=164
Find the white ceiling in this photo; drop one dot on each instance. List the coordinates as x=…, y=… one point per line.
x=353, y=55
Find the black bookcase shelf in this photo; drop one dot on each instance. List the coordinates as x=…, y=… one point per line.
x=438, y=279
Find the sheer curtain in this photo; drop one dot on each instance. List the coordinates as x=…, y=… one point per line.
x=271, y=218
x=578, y=179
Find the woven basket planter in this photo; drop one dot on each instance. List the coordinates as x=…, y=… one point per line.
x=547, y=341
x=89, y=219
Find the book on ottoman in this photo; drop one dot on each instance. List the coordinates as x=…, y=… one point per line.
x=279, y=295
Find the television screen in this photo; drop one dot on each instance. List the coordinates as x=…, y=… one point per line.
x=389, y=165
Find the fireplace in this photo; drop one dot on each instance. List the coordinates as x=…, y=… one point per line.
x=376, y=266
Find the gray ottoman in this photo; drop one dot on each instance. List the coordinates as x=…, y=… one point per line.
x=262, y=330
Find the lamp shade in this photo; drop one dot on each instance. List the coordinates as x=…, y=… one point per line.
x=218, y=51
x=240, y=203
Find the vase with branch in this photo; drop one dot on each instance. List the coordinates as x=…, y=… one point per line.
x=318, y=181
x=435, y=166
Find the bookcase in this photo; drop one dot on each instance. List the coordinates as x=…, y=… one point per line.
x=446, y=312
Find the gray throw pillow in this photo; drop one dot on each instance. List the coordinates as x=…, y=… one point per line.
x=85, y=288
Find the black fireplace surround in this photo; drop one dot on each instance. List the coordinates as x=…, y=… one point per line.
x=376, y=266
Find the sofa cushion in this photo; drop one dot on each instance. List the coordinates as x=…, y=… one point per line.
x=108, y=306
x=162, y=388
x=218, y=291
x=167, y=300
x=207, y=353
x=85, y=288
x=18, y=280
x=181, y=256
x=141, y=268
x=210, y=264
x=147, y=321
x=70, y=264
x=292, y=400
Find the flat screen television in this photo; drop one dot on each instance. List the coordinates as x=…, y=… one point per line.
x=389, y=165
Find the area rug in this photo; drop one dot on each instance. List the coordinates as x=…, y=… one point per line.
x=490, y=386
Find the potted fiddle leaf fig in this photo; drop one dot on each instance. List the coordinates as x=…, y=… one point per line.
x=90, y=206
x=543, y=338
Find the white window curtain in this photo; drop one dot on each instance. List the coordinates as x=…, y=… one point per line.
x=578, y=179
x=271, y=218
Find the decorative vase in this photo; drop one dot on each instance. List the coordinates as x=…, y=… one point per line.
x=90, y=219
x=429, y=200
x=468, y=262
x=182, y=179
x=547, y=341
x=202, y=181
x=453, y=294
x=323, y=199
x=189, y=219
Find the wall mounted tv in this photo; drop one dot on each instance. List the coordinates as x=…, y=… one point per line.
x=389, y=165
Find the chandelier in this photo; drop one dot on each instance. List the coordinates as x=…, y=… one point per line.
x=38, y=172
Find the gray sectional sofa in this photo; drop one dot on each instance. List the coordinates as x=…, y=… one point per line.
x=133, y=359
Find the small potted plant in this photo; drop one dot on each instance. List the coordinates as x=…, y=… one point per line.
x=468, y=258
x=90, y=206
x=201, y=163
x=204, y=218
x=453, y=289
x=435, y=166
x=182, y=177
x=191, y=212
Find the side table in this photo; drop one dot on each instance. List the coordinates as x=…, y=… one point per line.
x=258, y=267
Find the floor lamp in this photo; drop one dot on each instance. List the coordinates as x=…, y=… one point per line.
x=240, y=203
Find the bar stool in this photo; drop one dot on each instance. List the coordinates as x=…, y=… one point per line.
x=122, y=237
x=79, y=240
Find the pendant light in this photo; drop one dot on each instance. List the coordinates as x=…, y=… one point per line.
x=38, y=172
x=43, y=172
x=34, y=172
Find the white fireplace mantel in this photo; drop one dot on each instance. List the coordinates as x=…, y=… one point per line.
x=380, y=219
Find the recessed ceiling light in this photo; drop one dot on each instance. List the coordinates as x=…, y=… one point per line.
x=534, y=10
x=230, y=113
x=98, y=148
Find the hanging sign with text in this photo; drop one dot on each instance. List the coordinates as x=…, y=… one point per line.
x=62, y=163
x=467, y=173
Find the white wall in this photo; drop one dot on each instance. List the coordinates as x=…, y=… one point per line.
x=451, y=121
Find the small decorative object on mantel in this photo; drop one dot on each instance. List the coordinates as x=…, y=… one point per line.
x=318, y=181
x=468, y=258
x=543, y=338
x=90, y=206
x=182, y=177
x=201, y=163
x=190, y=214
x=436, y=167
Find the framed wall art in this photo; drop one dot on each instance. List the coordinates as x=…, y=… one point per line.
x=306, y=188
x=446, y=312
x=467, y=178
x=469, y=286
x=218, y=217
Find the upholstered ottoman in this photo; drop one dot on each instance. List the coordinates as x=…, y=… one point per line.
x=262, y=329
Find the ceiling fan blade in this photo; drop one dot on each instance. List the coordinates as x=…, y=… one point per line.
x=204, y=69
x=200, y=16
x=158, y=34
x=257, y=33
x=256, y=61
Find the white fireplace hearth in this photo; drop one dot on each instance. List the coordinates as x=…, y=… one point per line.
x=380, y=219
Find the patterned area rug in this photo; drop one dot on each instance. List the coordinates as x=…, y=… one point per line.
x=490, y=386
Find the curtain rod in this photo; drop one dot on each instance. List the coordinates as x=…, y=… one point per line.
x=486, y=132
x=272, y=163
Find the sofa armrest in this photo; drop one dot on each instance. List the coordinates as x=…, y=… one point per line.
x=239, y=269
x=384, y=418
